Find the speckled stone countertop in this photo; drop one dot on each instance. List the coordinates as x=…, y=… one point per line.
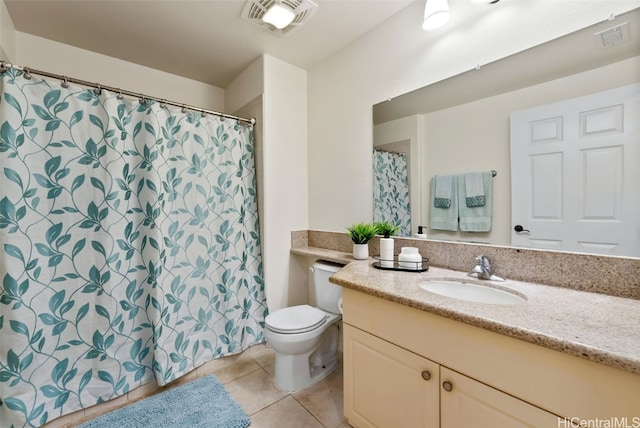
x=596, y=327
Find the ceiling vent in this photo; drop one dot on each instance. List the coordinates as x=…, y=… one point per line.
x=254, y=10
x=613, y=36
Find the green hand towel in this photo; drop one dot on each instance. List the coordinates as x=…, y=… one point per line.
x=440, y=217
x=476, y=218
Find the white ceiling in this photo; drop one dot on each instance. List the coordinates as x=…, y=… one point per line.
x=205, y=40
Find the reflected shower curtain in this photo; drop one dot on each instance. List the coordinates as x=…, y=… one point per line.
x=391, y=190
x=129, y=246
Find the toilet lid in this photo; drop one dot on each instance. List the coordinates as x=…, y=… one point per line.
x=295, y=319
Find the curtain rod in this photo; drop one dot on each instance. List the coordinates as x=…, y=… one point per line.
x=65, y=80
x=389, y=151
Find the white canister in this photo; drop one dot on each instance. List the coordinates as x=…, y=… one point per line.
x=386, y=252
x=409, y=257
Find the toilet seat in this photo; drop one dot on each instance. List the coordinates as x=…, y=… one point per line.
x=295, y=319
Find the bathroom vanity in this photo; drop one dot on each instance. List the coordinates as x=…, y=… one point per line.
x=413, y=358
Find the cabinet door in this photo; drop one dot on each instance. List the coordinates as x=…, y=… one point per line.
x=387, y=386
x=466, y=402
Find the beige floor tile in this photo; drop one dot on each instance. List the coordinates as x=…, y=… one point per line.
x=324, y=399
x=254, y=391
x=66, y=421
x=271, y=369
x=106, y=407
x=232, y=369
x=265, y=357
x=143, y=391
x=286, y=413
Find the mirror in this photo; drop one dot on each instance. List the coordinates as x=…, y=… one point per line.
x=462, y=124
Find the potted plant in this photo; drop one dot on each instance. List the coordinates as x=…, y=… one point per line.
x=360, y=234
x=387, y=230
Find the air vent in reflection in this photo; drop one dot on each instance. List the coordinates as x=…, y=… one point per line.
x=613, y=36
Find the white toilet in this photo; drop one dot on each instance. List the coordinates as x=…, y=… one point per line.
x=305, y=339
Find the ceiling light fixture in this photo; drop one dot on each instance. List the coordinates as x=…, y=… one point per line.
x=279, y=16
x=436, y=14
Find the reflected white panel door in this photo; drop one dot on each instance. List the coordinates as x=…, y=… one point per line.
x=575, y=174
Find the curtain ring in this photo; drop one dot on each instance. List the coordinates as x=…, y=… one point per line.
x=98, y=89
x=141, y=99
x=26, y=73
x=203, y=114
x=184, y=109
x=65, y=82
x=163, y=103
x=119, y=96
x=3, y=67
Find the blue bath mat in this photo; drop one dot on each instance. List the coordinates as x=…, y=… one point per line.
x=203, y=403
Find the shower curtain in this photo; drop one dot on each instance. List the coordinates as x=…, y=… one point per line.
x=130, y=245
x=391, y=190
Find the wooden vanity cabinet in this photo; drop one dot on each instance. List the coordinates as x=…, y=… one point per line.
x=387, y=386
x=465, y=402
x=404, y=367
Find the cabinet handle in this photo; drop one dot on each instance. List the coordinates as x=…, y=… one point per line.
x=426, y=375
x=447, y=386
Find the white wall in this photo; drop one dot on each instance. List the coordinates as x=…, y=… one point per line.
x=398, y=57
x=281, y=156
x=46, y=55
x=285, y=180
x=245, y=87
x=7, y=35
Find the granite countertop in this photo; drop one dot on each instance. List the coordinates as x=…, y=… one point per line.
x=597, y=327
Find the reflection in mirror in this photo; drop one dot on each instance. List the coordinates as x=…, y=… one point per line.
x=463, y=125
x=391, y=187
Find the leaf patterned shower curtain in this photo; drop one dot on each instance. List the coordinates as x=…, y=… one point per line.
x=391, y=190
x=129, y=246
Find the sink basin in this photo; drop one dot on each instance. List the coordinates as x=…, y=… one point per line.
x=472, y=291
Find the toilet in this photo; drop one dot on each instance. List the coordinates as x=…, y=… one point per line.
x=305, y=338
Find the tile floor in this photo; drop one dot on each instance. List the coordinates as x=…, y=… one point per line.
x=249, y=379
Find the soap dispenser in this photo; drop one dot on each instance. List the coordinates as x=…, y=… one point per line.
x=422, y=234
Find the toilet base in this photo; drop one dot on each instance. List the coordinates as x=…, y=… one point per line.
x=296, y=372
x=292, y=382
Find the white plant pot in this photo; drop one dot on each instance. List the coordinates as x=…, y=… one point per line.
x=360, y=251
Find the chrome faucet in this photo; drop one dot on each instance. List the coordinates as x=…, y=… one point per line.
x=484, y=270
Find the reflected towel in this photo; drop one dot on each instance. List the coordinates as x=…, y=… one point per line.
x=474, y=190
x=478, y=218
x=444, y=218
x=443, y=191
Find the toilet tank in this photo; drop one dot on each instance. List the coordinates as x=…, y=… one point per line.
x=326, y=293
